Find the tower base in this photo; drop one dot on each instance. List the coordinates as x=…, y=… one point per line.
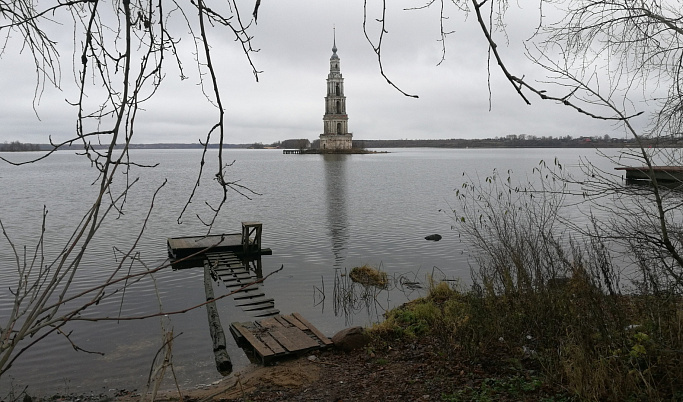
x=334, y=142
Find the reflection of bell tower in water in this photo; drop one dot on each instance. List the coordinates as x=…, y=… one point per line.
x=335, y=134
x=337, y=218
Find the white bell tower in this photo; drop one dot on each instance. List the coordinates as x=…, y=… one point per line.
x=335, y=134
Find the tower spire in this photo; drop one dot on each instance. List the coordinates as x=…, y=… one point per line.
x=334, y=41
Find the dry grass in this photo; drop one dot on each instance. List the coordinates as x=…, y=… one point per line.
x=369, y=276
x=581, y=342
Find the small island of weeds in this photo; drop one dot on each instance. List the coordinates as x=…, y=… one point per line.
x=369, y=276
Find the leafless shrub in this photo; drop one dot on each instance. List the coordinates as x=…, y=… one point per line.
x=554, y=293
x=121, y=52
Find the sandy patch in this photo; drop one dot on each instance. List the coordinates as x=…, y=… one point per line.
x=288, y=374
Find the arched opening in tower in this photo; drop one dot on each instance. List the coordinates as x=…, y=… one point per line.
x=338, y=107
x=339, y=128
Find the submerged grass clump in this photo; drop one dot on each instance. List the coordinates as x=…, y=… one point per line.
x=369, y=276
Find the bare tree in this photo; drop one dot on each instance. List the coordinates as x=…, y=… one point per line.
x=121, y=51
x=615, y=61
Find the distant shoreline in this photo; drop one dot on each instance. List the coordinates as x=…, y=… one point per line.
x=506, y=142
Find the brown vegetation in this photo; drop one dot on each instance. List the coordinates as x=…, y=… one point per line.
x=369, y=276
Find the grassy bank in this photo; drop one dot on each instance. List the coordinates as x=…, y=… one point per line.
x=590, y=345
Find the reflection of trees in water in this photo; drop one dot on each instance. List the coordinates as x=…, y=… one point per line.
x=337, y=217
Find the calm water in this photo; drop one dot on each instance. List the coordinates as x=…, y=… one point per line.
x=321, y=215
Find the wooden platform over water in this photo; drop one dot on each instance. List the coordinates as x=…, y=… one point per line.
x=661, y=173
x=181, y=247
x=279, y=336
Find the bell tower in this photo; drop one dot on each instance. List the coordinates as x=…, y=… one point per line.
x=335, y=134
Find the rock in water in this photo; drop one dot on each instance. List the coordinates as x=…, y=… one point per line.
x=434, y=237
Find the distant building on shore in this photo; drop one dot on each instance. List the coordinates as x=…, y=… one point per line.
x=336, y=135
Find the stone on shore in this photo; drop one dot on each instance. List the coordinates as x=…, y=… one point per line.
x=351, y=338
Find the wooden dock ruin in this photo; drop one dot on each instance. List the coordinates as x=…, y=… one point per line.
x=279, y=336
x=661, y=173
x=226, y=259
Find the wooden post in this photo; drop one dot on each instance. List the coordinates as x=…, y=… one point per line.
x=258, y=268
x=251, y=246
x=223, y=363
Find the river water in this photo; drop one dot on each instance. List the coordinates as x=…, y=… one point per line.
x=321, y=216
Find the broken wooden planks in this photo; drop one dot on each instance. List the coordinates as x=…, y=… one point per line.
x=233, y=273
x=279, y=336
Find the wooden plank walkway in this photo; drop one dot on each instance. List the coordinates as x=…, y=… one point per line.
x=279, y=336
x=231, y=271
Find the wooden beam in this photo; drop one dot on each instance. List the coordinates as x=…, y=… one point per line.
x=295, y=322
x=266, y=313
x=320, y=335
x=272, y=344
x=223, y=363
x=260, y=348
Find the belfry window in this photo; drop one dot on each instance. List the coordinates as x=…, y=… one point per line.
x=337, y=90
x=338, y=107
x=339, y=130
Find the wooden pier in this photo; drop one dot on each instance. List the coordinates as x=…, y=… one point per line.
x=661, y=173
x=279, y=336
x=226, y=259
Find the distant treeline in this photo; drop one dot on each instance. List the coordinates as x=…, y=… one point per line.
x=514, y=141
x=509, y=141
x=16, y=146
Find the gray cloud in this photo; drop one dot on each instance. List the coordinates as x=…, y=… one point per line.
x=295, y=40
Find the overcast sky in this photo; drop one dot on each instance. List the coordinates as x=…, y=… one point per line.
x=295, y=41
